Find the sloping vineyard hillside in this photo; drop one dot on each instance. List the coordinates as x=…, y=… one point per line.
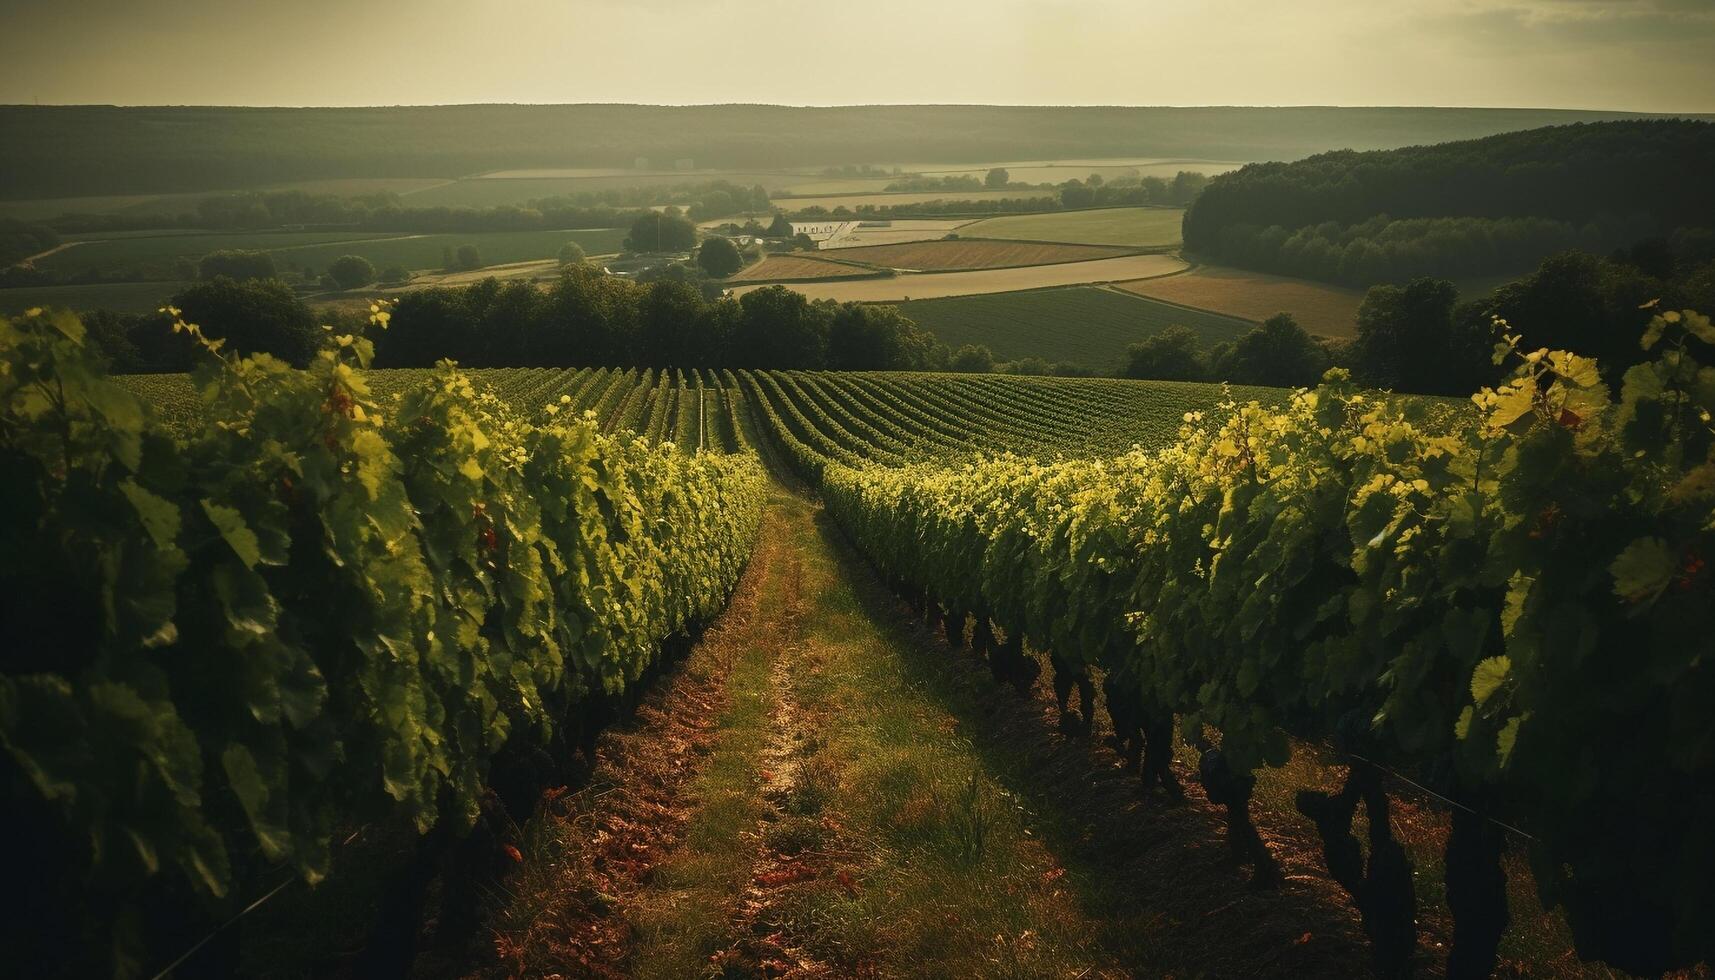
x=693, y=409
x=231, y=645
x=1510, y=605
x=897, y=417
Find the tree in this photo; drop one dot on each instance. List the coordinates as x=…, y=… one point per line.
x=780, y=227
x=255, y=316
x=590, y=318
x=1174, y=354
x=1279, y=354
x=669, y=319
x=237, y=265
x=109, y=335
x=395, y=273
x=1032, y=365
x=1409, y=338
x=998, y=177
x=1577, y=302
x=1074, y=194
x=467, y=258
x=972, y=359
x=572, y=253
x=778, y=328
x=877, y=338
x=21, y=239
x=658, y=231
x=719, y=257
x=351, y=271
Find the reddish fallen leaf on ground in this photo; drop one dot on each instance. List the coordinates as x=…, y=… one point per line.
x=767, y=776
x=1053, y=874
x=847, y=882
x=783, y=876
x=514, y=854
x=1305, y=938
x=550, y=795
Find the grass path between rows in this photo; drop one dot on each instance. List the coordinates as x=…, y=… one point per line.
x=826, y=790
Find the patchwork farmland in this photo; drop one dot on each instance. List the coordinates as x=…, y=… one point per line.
x=1319, y=307
x=968, y=253
x=965, y=283
x=1140, y=227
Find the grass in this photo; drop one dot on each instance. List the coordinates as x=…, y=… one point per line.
x=880, y=845
x=1319, y=308
x=1085, y=325
x=121, y=297
x=315, y=250
x=1103, y=226
x=683, y=918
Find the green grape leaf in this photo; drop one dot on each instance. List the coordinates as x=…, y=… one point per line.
x=1653, y=333
x=160, y=516
x=1507, y=738
x=1488, y=677
x=251, y=788
x=1643, y=569
x=1513, y=402
x=1699, y=326
x=67, y=323
x=230, y=523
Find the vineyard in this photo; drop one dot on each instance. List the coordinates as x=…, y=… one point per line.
x=303, y=603
x=323, y=609
x=1512, y=606
x=889, y=417
x=694, y=410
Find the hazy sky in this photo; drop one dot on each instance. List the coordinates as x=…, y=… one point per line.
x=1621, y=54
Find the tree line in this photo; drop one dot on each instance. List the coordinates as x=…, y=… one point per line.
x=21, y=239
x=1497, y=204
x=585, y=318
x=255, y=210
x=1420, y=336
x=1093, y=191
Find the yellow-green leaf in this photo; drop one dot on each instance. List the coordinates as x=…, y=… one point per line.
x=231, y=525
x=1643, y=569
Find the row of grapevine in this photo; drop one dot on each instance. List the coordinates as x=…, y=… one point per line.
x=892, y=417
x=660, y=405
x=318, y=610
x=1511, y=604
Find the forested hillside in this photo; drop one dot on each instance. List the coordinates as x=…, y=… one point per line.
x=50, y=151
x=1475, y=207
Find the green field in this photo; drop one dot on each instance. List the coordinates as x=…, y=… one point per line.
x=121, y=297
x=890, y=199
x=1103, y=226
x=314, y=250
x=1085, y=325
